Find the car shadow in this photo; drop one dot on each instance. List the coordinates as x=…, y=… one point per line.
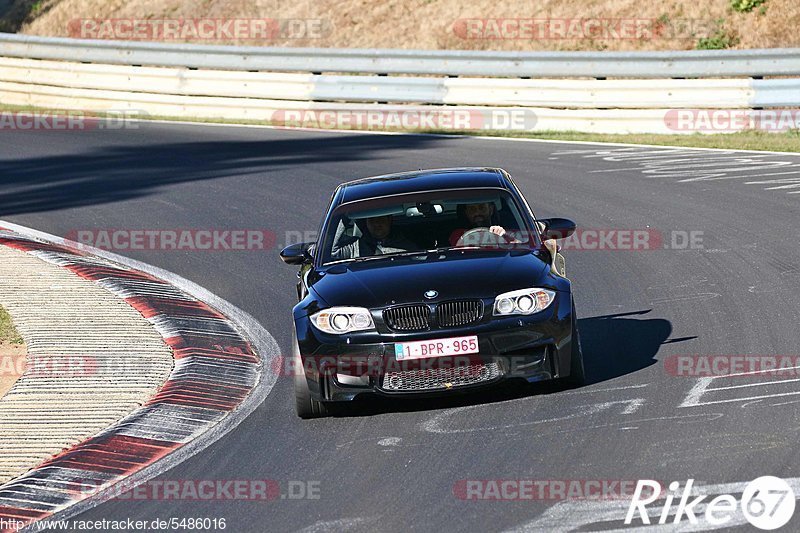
x=613, y=346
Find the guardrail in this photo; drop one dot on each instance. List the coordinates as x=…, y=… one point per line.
x=198, y=81
x=555, y=93
x=683, y=64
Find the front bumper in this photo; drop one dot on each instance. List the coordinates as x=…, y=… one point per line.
x=531, y=348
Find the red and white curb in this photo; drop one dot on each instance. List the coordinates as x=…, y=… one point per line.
x=220, y=353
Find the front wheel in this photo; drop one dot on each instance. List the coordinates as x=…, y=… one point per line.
x=305, y=406
x=577, y=373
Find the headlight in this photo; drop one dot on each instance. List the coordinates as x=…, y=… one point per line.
x=339, y=320
x=523, y=302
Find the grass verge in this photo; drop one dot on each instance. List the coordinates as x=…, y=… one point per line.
x=788, y=141
x=12, y=353
x=8, y=333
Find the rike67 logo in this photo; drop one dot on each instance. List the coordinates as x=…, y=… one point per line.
x=767, y=503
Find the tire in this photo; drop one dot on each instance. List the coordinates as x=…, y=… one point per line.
x=577, y=373
x=305, y=406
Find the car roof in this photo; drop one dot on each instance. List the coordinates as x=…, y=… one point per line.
x=422, y=180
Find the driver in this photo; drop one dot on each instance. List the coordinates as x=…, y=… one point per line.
x=480, y=215
x=378, y=239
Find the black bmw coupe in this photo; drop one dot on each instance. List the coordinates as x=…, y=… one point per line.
x=430, y=282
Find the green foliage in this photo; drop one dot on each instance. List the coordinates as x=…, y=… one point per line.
x=16, y=13
x=720, y=40
x=745, y=6
x=7, y=331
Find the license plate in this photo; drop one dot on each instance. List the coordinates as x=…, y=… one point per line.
x=404, y=351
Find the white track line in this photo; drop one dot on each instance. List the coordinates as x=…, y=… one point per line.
x=754, y=384
x=756, y=372
x=455, y=136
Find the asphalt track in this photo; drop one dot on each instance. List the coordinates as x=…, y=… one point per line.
x=393, y=466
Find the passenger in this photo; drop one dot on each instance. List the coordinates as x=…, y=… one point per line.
x=378, y=239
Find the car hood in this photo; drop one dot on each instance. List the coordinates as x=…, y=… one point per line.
x=453, y=274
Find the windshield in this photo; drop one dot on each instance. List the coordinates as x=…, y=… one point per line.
x=424, y=221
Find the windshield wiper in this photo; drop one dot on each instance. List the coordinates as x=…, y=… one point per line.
x=371, y=257
x=423, y=252
x=450, y=248
x=402, y=254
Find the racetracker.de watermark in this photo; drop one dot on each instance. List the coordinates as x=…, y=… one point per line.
x=543, y=489
x=457, y=366
x=731, y=120
x=195, y=240
x=68, y=121
x=733, y=365
x=65, y=366
x=606, y=239
x=200, y=29
x=583, y=239
x=516, y=119
x=252, y=490
x=605, y=29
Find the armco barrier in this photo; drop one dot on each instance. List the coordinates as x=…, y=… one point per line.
x=564, y=93
x=199, y=81
x=685, y=64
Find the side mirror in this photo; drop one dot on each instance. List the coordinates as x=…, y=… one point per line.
x=557, y=228
x=297, y=254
